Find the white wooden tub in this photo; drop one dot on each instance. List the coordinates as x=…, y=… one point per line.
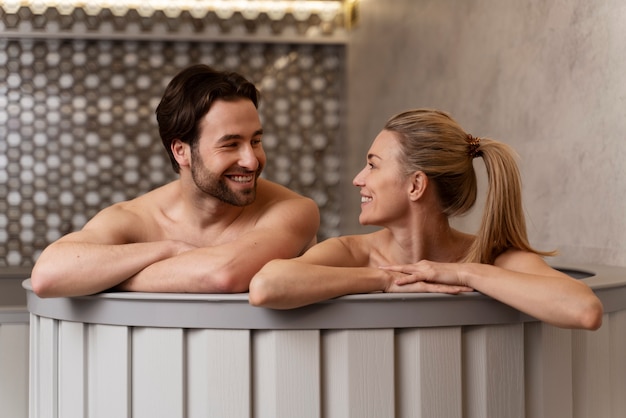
x=151, y=355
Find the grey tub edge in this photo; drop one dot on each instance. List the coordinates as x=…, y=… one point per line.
x=365, y=311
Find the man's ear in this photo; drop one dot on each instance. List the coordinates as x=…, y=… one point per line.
x=417, y=186
x=181, y=152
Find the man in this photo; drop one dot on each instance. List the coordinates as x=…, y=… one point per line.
x=210, y=230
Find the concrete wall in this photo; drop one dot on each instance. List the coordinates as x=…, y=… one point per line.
x=545, y=77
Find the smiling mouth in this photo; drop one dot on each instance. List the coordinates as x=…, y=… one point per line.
x=242, y=178
x=366, y=199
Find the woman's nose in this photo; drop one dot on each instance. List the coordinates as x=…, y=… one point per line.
x=358, y=179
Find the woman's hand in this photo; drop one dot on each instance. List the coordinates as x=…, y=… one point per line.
x=427, y=277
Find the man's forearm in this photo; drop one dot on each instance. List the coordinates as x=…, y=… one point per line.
x=72, y=269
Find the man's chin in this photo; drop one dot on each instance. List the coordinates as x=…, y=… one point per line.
x=243, y=198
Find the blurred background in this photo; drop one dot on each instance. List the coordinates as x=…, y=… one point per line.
x=79, y=86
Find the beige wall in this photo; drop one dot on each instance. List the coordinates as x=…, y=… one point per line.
x=545, y=77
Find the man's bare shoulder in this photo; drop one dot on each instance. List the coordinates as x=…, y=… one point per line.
x=135, y=216
x=138, y=207
x=269, y=191
x=272, y=197
x=278, y=208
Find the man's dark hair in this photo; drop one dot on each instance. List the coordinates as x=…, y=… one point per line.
x=188, y=98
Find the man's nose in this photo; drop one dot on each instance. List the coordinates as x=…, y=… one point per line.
x=248, y=158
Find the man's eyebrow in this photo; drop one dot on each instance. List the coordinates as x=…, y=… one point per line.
x=370, y=156
x=230, y=137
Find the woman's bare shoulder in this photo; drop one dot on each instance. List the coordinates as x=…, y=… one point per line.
x=360, y=246
x=525, y=262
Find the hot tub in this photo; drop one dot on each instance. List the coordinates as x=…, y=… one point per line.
x=375, y=355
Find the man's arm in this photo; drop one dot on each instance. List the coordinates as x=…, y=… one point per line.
x=99, y=256
x=285, y=231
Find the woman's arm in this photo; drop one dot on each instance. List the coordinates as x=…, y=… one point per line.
x=332, y=268
x=327, y=270
x=520, y=279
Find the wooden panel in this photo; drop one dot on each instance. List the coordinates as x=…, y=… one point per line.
x=286, y=374
x=108, y=371
x=591, y=372
x=72, y=370
x=218, y=373
x=157, y=372
x=14, y=370
x=493, y=371
x=358, y=373
x=617, y=344
x=46, y=376
x=428, y=369
x=548, y=371
x=35, y=347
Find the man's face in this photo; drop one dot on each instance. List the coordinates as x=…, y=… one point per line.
x=229, y=157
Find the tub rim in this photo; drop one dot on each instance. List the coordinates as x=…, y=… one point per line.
x=362, y=311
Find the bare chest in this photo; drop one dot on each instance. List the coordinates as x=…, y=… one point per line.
x=198, y=235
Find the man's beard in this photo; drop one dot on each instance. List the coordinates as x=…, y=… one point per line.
x=216, y=186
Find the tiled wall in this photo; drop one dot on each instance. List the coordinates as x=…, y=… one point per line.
x=78, y=132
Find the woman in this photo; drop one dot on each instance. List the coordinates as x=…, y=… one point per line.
x=419, y=173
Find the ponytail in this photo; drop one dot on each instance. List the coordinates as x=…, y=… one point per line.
x=503, y=225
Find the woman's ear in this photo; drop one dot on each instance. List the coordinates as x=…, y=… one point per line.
x=417, y=185
x=181, y=152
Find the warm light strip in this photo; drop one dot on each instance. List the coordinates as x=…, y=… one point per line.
x=326, y=9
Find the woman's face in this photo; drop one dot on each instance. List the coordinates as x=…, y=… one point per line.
x=384, y=187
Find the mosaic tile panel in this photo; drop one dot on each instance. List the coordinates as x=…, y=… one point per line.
x=108, y=22
x=78, y=132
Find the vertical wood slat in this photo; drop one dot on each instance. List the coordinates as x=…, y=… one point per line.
x=35, y=347
x=286, y=374
x=72, y=362
x=219, y=374
x=548, y=371
x=358, y=373
x=14, y=338
x=108, y=383
x=591, y=372
x=157, y=363
x=493, y=371
x=428, y=369
x=47, y=377
x=617, y=353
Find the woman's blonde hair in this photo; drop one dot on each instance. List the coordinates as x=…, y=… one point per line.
x=434, y=143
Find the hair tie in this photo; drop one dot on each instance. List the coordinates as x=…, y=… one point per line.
x=472, y=146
